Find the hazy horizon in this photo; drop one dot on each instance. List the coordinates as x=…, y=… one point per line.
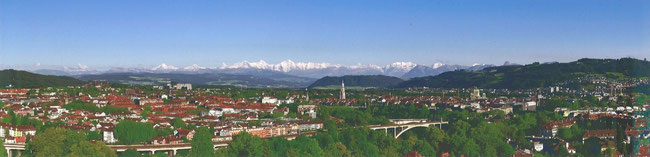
x=224, y=65
x=208, y=33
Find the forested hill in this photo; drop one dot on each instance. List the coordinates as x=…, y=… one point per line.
x=24, y=79
x=534, y=75
x=380, y=81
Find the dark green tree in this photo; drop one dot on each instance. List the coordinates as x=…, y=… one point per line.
x=307, y=146
x=86, y=148
x=3, y=150
x=246, y=144
x=63, y=142
x=202, y=143
x=130, y=132
x=178, y=123
x=94, y=135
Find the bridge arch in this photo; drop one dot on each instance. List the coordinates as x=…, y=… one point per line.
x=405, y=127
x=409, y=128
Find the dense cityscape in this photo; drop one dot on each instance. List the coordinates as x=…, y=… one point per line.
x=590, y=115
x=324, y=78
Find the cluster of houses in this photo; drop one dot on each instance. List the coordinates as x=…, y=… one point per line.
x=226, y=115
x=16, y=133
x=549, y=131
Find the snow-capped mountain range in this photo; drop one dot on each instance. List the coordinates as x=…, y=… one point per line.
x=301, y=69
x=164, y=67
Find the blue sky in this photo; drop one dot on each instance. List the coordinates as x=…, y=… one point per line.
x=209, y=33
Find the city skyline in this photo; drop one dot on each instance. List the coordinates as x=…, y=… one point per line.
x=127, y=34
x=335, y=78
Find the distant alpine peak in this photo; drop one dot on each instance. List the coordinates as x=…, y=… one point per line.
x=289, y=65
x=509, y=63
x=246, y=65
x=78, y=68
x=194, y=67
x=437, y=65
x=284, y=66
x=164, y=67
x=393, y=69
x=402, y=65
x=82, y=67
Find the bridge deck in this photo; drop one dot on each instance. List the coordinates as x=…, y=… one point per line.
x=150, y=147
x=406, y=125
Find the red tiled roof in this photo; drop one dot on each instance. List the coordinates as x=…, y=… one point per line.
x=412, y=153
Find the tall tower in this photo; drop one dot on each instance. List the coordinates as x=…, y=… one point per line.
x=476, y=94
x=307, y=91
x=342, y=95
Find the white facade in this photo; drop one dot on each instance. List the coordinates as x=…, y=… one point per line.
x=531, y=103
x=108, y=137
x=539, y=147
x=269, y=100
x=215, y=112
x=185, y=86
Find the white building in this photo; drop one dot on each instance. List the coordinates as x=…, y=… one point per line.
x=269, y=100
x=539, y=146
x=476, y=95
x=108, y=136
x=310, y=126
x=185, y=86
x=215, y=112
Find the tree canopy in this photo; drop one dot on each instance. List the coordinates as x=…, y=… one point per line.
x=202, y=143
x=63, y=142
x=130, y=132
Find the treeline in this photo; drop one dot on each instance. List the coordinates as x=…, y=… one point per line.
x=131, y=132
x=64, y=142
x=24, y=79
x=346, y=142
x=350, y=116
x=80, y=105
x=358, y=81
x=534, y=75
x=470, y=134
x=645, y=89
x=574, y=104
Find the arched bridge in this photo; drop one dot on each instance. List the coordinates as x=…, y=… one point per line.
x=170, y=148
x=400, y=128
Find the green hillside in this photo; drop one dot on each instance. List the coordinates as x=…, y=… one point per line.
x=534, y=75
x=379, y=81
x=24, y=79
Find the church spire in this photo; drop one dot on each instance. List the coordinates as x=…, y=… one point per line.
x=342, y=95
x=307, y=93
